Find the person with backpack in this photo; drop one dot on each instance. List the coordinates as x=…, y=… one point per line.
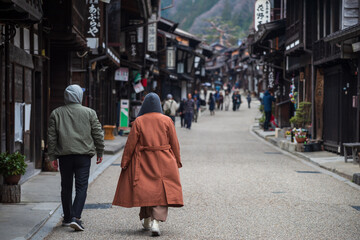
x=170, y=107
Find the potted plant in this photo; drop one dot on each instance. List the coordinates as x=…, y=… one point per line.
x=302, y=116
x=12, y=166
x=288, y=135
x=300, y=136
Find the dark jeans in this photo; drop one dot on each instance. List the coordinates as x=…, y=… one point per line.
x=80, y=166
x=172, y=118
x=188, y=119
x=267, y=120
x=182, y=120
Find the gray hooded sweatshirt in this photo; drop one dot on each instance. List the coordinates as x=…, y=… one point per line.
x=73, y=128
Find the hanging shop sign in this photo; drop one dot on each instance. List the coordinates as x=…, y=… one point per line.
x=138, y=87
x=132, y=51
x=93, y=23
x=124, y=113
x=271, y=79
x=174, y=77
x=152, y=29
x=122, y=74
x=170, y=58
x=262, y=12
x=182, y=41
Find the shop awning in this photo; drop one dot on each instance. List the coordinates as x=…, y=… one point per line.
x=343, y=35
x=186, y=77
x=170, y=74
x=270, y=30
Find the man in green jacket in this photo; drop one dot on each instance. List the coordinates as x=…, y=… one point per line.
x=74, y=136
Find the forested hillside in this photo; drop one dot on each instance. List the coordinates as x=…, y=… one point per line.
x=196, y=16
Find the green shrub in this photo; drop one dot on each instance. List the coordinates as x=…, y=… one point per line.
x=302, y=116
x=12, y=164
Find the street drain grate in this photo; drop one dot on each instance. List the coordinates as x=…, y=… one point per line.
x=356, y=208
x=272, y=153
x=116, y=164
x=97, y=206
x=315, y=172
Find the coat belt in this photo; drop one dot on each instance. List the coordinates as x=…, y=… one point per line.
x=138, y=156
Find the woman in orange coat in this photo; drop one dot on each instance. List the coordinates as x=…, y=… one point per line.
x=150, y=176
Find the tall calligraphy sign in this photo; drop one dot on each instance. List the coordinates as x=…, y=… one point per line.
x=93, y=23
x=152, y=31
x=262, y=12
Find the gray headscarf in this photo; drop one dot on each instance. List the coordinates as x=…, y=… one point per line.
x=151, y=104
x=73, y=94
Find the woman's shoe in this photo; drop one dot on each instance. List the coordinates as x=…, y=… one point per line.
x=147, y=223
x=155, y=230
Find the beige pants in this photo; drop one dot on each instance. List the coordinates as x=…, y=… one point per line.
x=158, y=213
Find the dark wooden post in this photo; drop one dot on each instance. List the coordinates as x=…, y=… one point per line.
x=358, y=102
x=7, y=87
x=358, y=94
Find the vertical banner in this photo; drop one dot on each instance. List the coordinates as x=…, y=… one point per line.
x=319, y=102
x=93, y=23
x=152, y=30
x=124, y=113
x=262, y=12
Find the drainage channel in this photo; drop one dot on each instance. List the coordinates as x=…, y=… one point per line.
x=273, y=153
x=313, y=172
x=356, y=208
x=97, y=206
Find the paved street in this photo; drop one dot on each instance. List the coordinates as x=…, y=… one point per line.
x=235, y=187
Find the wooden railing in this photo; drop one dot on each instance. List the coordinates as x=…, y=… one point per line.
x=324, y=51
x=295, y=32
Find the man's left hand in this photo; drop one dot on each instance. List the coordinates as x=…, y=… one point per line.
x=99, y=160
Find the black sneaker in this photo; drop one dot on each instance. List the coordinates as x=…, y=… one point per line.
x=65, y=223
x=76, y=224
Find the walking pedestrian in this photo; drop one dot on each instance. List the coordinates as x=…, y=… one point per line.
x=74, y=136
x=150, y=177
x=196, y=108
x=268, y=99
x=221, y=101
x=227, y=100
x=248, y=98
x=211, y=104
x=216, y=96
x=238, y=100
x=170, y=106
x=234, y=101
x=182, y=112
x=189, y=111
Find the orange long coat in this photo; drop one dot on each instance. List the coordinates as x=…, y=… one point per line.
x=152, y=158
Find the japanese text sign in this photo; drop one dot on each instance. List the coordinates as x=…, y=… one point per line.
x=93, y=18
x=262, y=12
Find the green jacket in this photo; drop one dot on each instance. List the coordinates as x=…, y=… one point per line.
x=74, y=129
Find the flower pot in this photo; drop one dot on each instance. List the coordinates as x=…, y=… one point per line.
x=13, y=179
x=316, y=147
x=307, y=147
x=300, y=140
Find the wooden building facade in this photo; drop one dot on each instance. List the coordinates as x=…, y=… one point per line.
x=317, y=54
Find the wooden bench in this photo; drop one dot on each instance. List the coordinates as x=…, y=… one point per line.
x=354, y=148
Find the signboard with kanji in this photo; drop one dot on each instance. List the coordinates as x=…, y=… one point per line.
x=122, y=74
x=262, y=12
x=152, y=29
x=93, y=26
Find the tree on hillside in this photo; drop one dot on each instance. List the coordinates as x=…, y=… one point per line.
x=223, y=32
